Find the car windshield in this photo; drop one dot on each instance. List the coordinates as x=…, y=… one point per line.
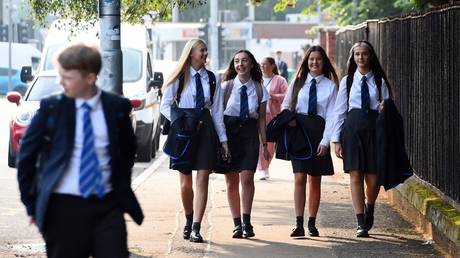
x=132, y=62
x=43, y=86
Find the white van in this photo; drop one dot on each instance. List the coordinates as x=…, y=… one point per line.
x=139, y=80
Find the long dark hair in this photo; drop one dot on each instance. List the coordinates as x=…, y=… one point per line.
x=303, y=70
x=256, y=73
x=374, y=64
x=272, y=62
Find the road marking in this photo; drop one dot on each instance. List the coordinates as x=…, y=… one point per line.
x=148, y=172
x=209, y=215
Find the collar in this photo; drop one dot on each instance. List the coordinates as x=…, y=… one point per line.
x=358, y=76
x=202, y=72
x=92, y=102
x=238, y=84
x=318, y=78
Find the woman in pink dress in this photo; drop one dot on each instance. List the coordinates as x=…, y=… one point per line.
x=277, y=86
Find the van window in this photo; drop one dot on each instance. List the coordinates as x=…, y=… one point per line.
x=132, y=65
x=43, y=86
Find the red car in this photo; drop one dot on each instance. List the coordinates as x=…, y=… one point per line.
x=43, y=85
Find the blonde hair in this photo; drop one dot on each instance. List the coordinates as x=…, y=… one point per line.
x=184, y=63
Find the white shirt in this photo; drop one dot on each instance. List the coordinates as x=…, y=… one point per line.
x=326, y=93
x=343, y=104
x=188, y=96
x=233, y=104
x=69, y=182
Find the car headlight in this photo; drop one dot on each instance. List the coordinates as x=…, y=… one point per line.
x=25, y=117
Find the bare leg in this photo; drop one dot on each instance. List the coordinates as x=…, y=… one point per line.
x=202, y=181
x=233, y=193
x=314, y=195
x=247, y=190
x=357, y=191
x=300, y=181
x=186, y=188
x=372, y=190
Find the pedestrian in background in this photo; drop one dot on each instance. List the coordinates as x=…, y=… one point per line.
x=245, y=101
x=358, y=103
x=84, y=145
x=311, y=96
x=282, y=66
x=191, y=87
x=276, y=86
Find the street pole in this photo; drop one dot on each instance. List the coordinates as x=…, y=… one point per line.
x=213, y=39
x=10, y=38
x=112, y=59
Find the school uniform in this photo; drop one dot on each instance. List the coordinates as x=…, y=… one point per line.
x=203, y=146
x=355, y=121
x=316, y=120
x=243, y=132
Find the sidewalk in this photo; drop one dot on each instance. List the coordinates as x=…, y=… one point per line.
x=273, y=219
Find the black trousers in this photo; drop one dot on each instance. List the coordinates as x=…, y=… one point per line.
x=79, y=228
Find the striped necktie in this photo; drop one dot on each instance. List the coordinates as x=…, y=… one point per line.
x=365, y=98
x=90, y=176
x=244, y=106
x=312, y=99
x=199, y=102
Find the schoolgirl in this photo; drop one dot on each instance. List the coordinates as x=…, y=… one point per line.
x=276, y=86
x=312, y=97
x=359, y=100
x=192, y=88
x=244, y=116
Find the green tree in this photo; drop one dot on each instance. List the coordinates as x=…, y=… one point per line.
x=132, y=11
x=343, y=10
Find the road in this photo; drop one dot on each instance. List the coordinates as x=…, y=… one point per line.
x=17, y=238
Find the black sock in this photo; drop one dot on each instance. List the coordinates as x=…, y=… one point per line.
x=237, y=221
x=370, y=208
x=299, y=221
x=360, y=218
x=246, y=219
x=196, y=226
x=189, y=219
x=311, y=222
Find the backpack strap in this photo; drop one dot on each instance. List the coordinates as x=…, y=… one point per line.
x=227, y=92
x=212, y=85
x=180, y=89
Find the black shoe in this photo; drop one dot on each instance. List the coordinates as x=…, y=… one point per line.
x=196, y=237
x=187, y=231
x=313, y=231
x=361, y=232
x=248, y=231
x=368, y=218
x=298, y=232
x=237, y=232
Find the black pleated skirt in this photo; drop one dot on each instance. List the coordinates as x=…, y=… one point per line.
x=316, y=166
x=359, y=141
x=203, y=148
x=243, y=142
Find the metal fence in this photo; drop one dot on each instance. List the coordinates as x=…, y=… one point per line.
x=421, y=56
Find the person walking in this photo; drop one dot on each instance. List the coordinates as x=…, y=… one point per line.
x=193, y=89
x=245, y=101
x=282, y=66
x=361, y=95
x=276, y=86
x=84, y=145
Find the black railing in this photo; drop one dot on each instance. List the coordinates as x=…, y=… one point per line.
x=421, y=55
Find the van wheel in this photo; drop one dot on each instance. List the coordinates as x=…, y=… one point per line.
x=11, y=157
x=144, y=152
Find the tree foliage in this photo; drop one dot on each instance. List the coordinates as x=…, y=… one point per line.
x=345, y=12
x=132, y=11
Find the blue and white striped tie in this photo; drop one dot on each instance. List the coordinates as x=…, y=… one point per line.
x=90, y=176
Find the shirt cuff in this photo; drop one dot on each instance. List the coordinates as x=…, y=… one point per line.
x=222, y=138
x=335, y=138
x=324, y=142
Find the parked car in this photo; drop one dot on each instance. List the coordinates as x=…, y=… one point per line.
x=43, y=85
x=139, y=80
x=22, y=55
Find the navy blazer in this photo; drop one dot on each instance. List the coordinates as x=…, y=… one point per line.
x=393, y=166
x=38, y=174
